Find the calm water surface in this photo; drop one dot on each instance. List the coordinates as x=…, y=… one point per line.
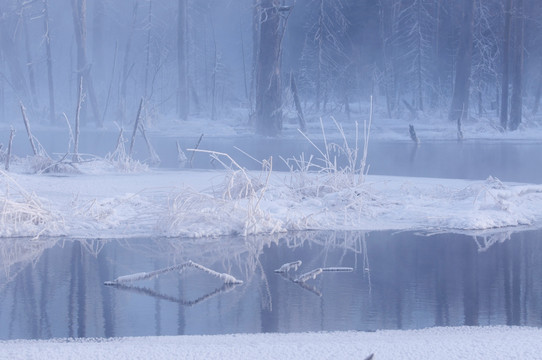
x=473, y=159
x=55, y=288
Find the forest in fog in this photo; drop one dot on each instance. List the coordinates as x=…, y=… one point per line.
x=270, y=60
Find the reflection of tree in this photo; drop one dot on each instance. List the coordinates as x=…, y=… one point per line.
x=512, y=283
x=469, y=270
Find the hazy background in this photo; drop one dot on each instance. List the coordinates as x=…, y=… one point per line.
x=404, y=52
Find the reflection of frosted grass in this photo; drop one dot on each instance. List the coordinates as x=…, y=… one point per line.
x=16, y=254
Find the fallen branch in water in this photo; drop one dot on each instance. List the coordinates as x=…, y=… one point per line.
x=226, y=278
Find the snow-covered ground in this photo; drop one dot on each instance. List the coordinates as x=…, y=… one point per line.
x=435, y=343
x=213, y=203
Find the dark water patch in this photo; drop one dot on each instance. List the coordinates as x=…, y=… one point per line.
x=55, y=288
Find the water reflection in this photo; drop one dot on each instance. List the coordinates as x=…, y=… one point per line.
x=54, y=288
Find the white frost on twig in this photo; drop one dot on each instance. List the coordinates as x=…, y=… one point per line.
x=289, y=266
x=314, y=273
x=309, y=275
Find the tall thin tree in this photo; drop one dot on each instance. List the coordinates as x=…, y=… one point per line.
x=506, y=64
x=182, y=68
x=268, y=74
x=79, y=11
x=516, y=100
x=460, y=99
x=49, y=57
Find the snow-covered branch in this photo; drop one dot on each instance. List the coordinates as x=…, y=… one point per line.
x=226, y=278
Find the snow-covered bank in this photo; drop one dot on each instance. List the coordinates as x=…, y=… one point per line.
x=213, y=203
x=434, y=343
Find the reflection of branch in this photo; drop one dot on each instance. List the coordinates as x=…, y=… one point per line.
x=146, y=291
x=227, y=278
x=301, y=280
x=305, y=286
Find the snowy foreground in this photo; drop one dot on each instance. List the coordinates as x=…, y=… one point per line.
x=435, y=343
x=103, y=204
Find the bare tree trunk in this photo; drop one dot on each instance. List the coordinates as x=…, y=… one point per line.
x=79, y=8
x=506, y=65
x=97, y=37
x=49, y=62
x=516, y=101
x=268, y=82
x=27, y=126
x=301, y=117
x=183, y=99
x=419, y=60
x=136, y=125
x=213, y=75
x=320, y=56
x=127, y=67
x=148, y=50
x=245, y=82
x=110, y=82
x=10, y=145
x=29, y=60
x=460, y=100
x=2, y=91
x=255, y=47
x=76, y=158
x=9, y=50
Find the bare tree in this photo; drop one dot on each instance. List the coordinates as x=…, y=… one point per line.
x=47, y=38
x=516, y=100
x=183, y=99
x=323, y=50
x=506, y=64
x=79, y=11
x=460, y=99
x=268, y=73
x=29, y=58
x=8, y=47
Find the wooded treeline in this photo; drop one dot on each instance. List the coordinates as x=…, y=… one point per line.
x=211, y=58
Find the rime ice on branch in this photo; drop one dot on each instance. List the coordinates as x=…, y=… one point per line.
x=289, y=266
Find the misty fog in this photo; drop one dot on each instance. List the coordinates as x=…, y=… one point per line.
x=452, y=61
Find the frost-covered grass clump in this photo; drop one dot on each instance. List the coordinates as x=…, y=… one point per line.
x=331, y=176
x=232, y=208
x=122, y=161
x=22, y=212
x=236, y=206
